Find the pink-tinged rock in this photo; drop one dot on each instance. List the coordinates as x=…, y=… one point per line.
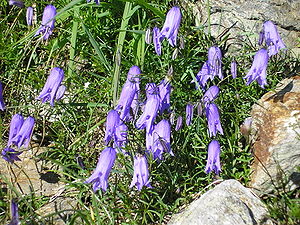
x=275, y=138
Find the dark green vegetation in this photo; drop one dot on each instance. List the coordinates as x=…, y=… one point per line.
x=96, y=46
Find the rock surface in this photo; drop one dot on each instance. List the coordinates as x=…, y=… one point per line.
x=229, y=203
x=275, y=136
x=245, y=18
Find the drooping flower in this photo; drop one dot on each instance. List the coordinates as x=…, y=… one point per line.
x=233, y=68
x=162, y=139
x=48, y=22
x=213, y=119
x=164, y=93
x=258, y=70
x=130, y=94
x=272, y=38
x=14, y=213
x=2, y=105
x=141, y=173
x=151, y=108
x=52, y=89
x=24, y=134
x=213, y=157
x=10, y=155
x=212, y=67
x=15, y=126
x=112, y=122
x=29, y=16
x=99, y=178
x=16, y=3
x=189, y=112
x=96, y=1
x=178, y=123
x=171, y=26
x=156, y=40
x=211, y=94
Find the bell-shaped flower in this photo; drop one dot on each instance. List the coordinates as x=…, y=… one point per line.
x=156, y=40
x=48, y=22
x=258, y=70
x=171, y=26
x=211, y=94
x=99, y=178
x=211, y=68
x=29, y=16
x=15, y=125
x=112, y=122
x=2, y=105
x=189, y=112
x=52, y=90
x=213, y=157
x=141, y=173
x=162, y=139
x=272, y=38
x=10, y=155
x=233, y=69
x=178, y=123
x=14, y=213
x=213, y=119
x=24, y=134
x=96, y=1
x=151, y=108
x=16, y=3
x=130, y=94
x=164, y=93
x=121, y=137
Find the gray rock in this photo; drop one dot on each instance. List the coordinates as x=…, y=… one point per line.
x=245, y=18
x=275, y=136
x=229, y=203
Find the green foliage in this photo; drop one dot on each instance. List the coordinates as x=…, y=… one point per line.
x=96, y=45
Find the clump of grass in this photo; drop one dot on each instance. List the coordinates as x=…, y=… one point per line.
x=96, y=45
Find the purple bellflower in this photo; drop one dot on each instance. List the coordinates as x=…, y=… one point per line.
x=14, y=213
x=164, y=93
x=258, y=70
x=48, y=22
x=10, y=155
x=162, y=139
x=15, y=126
x=29, y=16
x=99, y=178
x=16, y=3
x=24, y=134
x=211, y=94
x=233, y=68
x=112, y=122
x=151, y=108
x=272, y=38
x=2, y=105
x=171, y=26
x=213, y=157
x=52, y=89
x=96, y=1
x=212, y=67
x=178, y=123
x=156, y=40
x=189, y=111
x=130, y=94
x=213, y=119
x=141, y=173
